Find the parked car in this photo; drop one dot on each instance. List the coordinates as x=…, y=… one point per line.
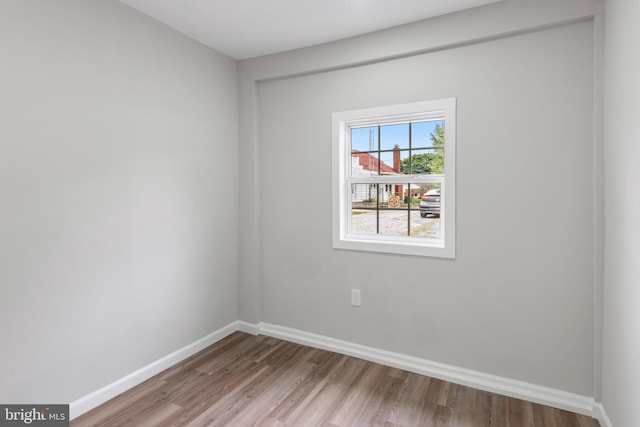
x=430, y=203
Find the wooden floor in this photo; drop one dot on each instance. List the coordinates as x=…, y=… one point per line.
x=247, y=380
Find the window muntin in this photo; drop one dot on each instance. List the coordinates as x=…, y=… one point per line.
x=385, y=160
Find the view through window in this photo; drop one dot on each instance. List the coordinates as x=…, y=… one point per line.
x=397, y=150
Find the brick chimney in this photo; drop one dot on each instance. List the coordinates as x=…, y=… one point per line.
x=397, y=167
x=396, y=158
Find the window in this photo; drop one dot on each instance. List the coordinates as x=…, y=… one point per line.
x=394, y=179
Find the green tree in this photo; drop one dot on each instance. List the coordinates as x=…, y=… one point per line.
x=427, y=163
x=420, y=164
x=437, y=136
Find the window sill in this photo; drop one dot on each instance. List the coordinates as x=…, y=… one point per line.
x=433, y=248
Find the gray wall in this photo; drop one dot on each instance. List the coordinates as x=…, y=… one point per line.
x=518, y=300
x=118, y=164
x=621, y=349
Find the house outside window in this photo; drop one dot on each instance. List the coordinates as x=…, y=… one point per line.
x=394, y=179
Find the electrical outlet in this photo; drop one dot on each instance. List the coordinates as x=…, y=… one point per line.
x=356, y=297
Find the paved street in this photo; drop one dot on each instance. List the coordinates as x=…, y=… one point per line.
x=394, y=223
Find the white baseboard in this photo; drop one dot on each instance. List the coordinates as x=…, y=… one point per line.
x=250, y=328
x=601, y=415
x=492, y=383
x=98, y=397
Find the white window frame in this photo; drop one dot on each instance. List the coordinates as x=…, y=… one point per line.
x=342, y=122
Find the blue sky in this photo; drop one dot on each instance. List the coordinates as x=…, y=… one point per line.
x=391, y=135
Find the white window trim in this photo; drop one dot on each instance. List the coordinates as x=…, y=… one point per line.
x=341, y=156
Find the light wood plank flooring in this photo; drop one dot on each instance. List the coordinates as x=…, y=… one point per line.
x=247, y=380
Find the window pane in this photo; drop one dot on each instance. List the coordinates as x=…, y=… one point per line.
x=394, y=222
x=415, y=192
x=392, y=135
x=363, y=195
x=364, y=139
x=430, y=201
x=393, y=161
x=425, y=227
x=427, y=134
x=364, y=217
x=364, y=221
x=391, y=196
x=425, y=162
x=408, y=195
x=364, y=164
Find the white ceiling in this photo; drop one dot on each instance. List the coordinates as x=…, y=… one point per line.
x=248, y=28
